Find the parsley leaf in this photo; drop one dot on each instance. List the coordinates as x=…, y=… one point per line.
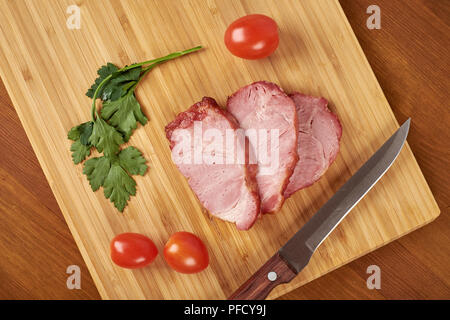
x=81, y=148
x=131, y=159
x=120, y=83
x=96, y=170
x=81, y=132
x=105, y=138
x=103, y=72
x=79, y=151
x=74, y=134
x=123, y=114
x=113, y=173
x=118, y=186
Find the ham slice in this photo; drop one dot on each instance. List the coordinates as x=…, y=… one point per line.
x=264, y=107
x=226, y=188
x=319, y=133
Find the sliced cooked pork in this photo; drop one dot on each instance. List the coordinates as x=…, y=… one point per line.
x=319, y=133
x=266, y=109
x=226, y=187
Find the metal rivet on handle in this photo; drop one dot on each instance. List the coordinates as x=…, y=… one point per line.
x=272, y=276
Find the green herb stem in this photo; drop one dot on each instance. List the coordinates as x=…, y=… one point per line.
x=150, y=63
x=94, y=100
x=162, y=59
x=144, y=72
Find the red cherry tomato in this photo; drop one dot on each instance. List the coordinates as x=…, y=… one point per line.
x=132, y=250
x=252, y=37
x=186, y=253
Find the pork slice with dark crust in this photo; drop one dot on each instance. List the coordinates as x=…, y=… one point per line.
x=318, y=141
x=262, y=106
x=227, y=189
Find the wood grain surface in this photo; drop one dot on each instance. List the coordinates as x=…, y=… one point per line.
x=28, y=202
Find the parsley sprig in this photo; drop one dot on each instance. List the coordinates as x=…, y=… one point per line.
x=120, y=111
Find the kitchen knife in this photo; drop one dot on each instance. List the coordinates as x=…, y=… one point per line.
x=295, y=254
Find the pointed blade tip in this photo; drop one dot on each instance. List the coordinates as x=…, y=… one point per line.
x=406, y=125
x=404, y=130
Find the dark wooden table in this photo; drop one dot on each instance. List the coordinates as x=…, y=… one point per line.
x=410, y=57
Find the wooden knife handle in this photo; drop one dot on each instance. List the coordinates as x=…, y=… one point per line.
x=274, y=272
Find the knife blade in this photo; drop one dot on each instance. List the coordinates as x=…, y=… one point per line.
x=296, y=253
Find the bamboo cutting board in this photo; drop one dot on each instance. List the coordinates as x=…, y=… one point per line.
x=47, y=68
